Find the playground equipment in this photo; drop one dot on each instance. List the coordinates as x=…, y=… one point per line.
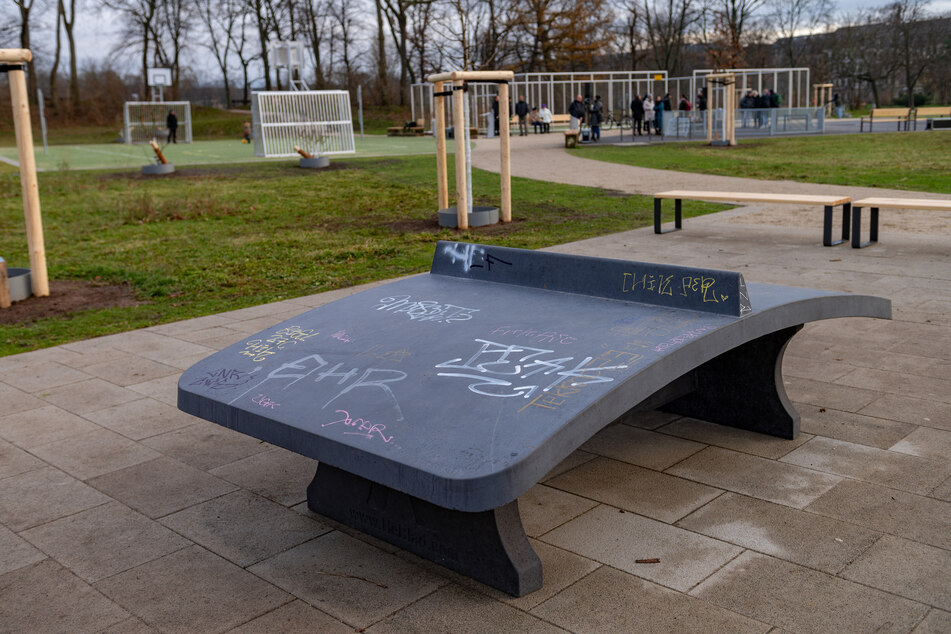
x=721, y=103
x=316, y=121
x=12, y=62
x=145, y=121
x=161, y=165
x=458, y=82
x=288, y=56
x=791, y=83
x=158, y=79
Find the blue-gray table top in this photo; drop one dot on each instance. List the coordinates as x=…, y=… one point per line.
x=465, y=386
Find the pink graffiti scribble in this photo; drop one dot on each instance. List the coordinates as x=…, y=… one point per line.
x=364, y=427
x=264, y=402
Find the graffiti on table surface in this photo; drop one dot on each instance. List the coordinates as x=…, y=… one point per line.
x=341, y=382
x=341, y=335
x=379, y=351
x=564, y=391
x=362, y=427
x=224, y=379
x=496, y=367
x=264, y=402
x=537, y=336
x=261, y=349
x=472, y=256
x=699, y=286
x=682, y=337
x=425, y=310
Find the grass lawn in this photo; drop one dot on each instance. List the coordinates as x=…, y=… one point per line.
x=118, y=155
x=900, y=160
x=222, y=237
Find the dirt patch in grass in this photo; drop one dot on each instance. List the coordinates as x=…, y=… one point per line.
x=68, y=297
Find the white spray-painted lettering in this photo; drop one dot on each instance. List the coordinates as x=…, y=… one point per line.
x=425, y=310
x=471, y=256
x=354, y=378
x=495, y=365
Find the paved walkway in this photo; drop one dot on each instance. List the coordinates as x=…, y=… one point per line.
x=119, y=513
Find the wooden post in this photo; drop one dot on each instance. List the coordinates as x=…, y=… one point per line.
x=159, y=154
x=459, y=128
x=439, y=129
x=28, y=182
x=4, y=285
x=505, y=173
x=730, y=87
x=299, y=150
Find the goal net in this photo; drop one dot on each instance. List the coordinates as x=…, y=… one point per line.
x=317, y=121
x=146, y=121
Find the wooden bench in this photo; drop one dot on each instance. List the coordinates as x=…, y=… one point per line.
x=556, y=120
x=571, y=138
x=874, y=204
x=405, y=131
x=432, y=403
x=899, y=115
x=828, y=202
x=930, y=112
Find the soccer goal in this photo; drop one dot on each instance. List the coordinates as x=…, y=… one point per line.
x=147, y=121
x=317, y=121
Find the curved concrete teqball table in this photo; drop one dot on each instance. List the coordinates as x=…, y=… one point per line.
x=433, y=403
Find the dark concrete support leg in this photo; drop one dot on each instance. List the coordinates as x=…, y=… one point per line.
x=857, y=227
x=489, y=546
x=827, y=225
x=744, y=388
x=678, y=216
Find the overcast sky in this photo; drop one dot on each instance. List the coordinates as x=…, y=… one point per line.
x=98, y=34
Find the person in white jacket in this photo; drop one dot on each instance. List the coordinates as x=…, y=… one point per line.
x=545, y=115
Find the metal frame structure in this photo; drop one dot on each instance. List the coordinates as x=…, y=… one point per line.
x=158, y=79
x=556, y=90
x=792, y=83
x=289, y=57
x=144, y=121
x=317, y=121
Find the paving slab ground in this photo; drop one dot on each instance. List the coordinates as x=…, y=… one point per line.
x=118, y=513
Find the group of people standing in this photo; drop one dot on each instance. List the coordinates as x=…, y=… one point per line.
x=761, y=101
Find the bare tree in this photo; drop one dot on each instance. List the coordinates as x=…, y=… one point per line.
x=241, y=45
x=68, y=17
x=25, y=8
x=731, y=20
x=221, y=18
x=138, y=28
x=791, y=18
x=317, y=30
x=171, y=34
x=667, y=24
x=920, y=39
x=631, y=33
x=398, y=16
x=343, y=12
x=381, y=71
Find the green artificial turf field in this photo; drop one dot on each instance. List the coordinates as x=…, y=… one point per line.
x=118, y=155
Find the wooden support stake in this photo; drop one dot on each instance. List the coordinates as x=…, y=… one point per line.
x=442, y=172
x=28, y=182
x=158, y=153
x=4, y=285
x=303, y=152
x=711, y=109
x=459, y=132
x=15, y=55
x=506, y=168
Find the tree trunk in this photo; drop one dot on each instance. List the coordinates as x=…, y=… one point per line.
x=381, y=54
x=71, y=42
x=59, y=45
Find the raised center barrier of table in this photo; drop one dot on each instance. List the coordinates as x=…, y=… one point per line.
x=433, y=402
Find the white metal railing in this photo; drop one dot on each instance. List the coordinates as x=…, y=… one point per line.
x=691, y=124
x=317, y=121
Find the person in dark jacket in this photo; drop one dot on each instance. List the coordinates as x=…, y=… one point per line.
x=495, y=114
x=747, y=103
x=637, y=115
x=596, y=109
x=659, y=116
x=762, y=104
x=171, y=123
x=576, y=110
x=521, y=109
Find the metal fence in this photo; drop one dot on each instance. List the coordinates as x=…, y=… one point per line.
x=145, y=121
x=318, y=121
x=749, y=122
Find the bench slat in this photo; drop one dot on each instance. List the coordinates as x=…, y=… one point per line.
x=804, y=199
x=905, y=203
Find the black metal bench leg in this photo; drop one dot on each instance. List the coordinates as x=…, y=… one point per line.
x=489, y=546
x=857, y=227
x=744, y=388
x=827, y=227
x=678, y=216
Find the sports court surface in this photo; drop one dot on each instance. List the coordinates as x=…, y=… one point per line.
x=118, y=155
